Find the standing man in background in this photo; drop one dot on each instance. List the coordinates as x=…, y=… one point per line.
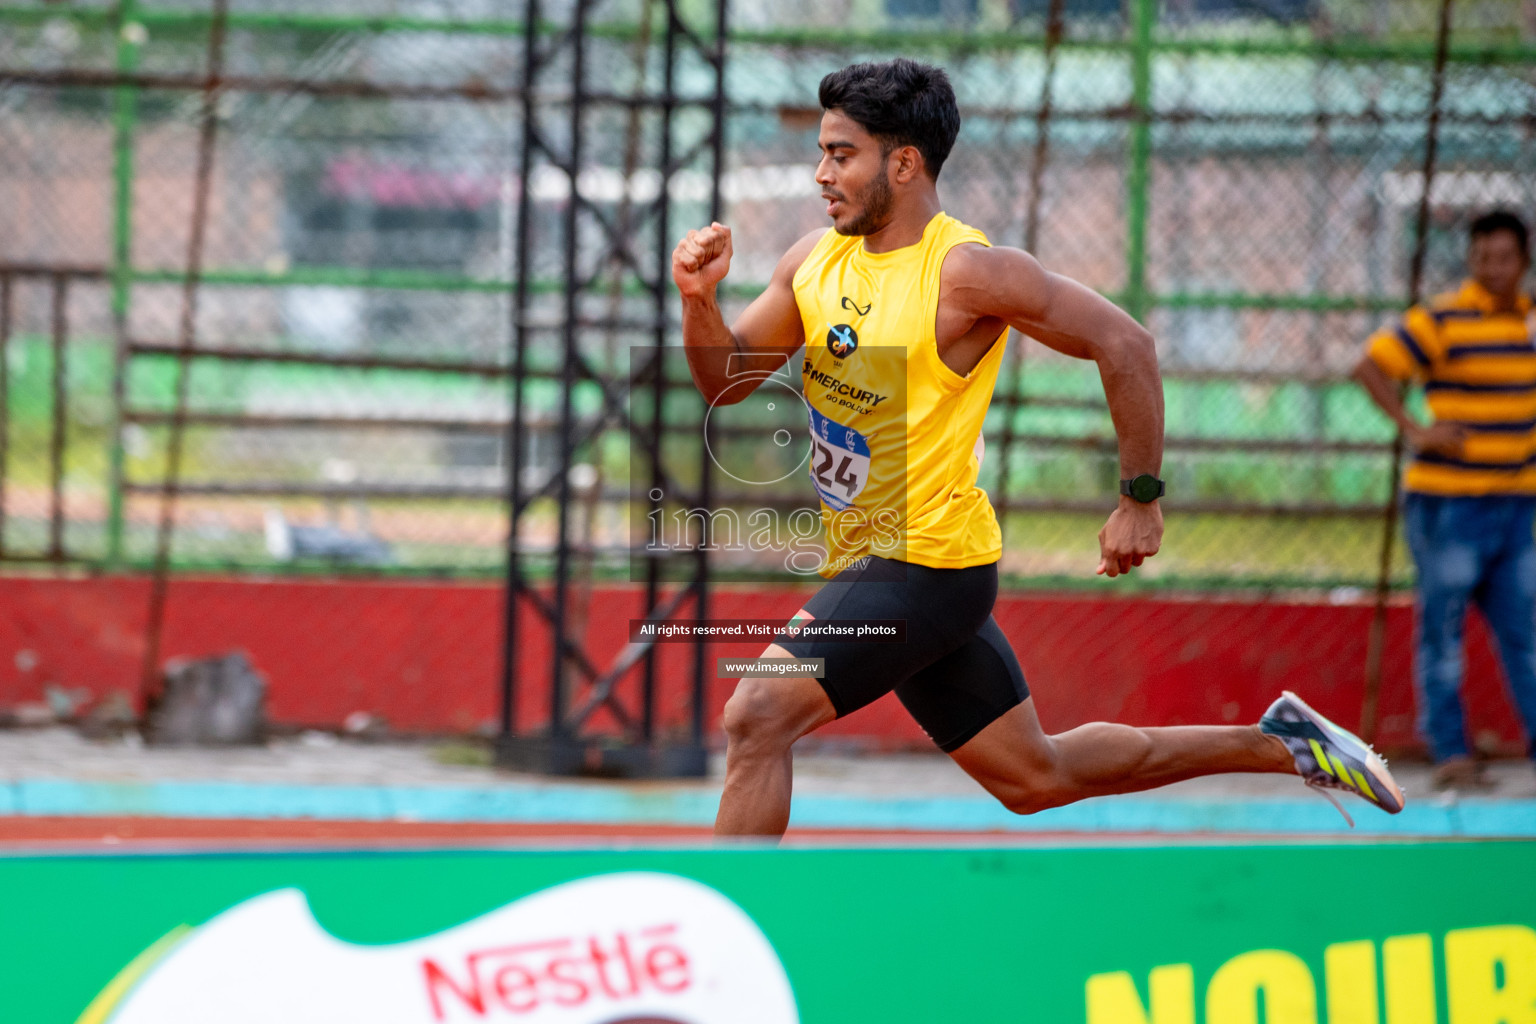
x=1471, y=485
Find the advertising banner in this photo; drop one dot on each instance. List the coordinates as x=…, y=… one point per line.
x=1285, y=934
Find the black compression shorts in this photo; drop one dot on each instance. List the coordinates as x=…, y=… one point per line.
x=955, y=673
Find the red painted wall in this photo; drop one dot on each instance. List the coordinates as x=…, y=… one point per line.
x=426, y=656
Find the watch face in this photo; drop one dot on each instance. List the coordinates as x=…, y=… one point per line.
x=1146, y=488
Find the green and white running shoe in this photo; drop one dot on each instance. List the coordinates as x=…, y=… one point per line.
x=1328, y=757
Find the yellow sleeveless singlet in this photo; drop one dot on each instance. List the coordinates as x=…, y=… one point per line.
x=895, y=434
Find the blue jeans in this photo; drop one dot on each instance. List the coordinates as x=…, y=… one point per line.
x=1478, y=549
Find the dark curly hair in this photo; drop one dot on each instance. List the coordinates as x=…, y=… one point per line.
x=901, y=103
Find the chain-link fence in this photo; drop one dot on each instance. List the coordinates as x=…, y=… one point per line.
x=1243, y=175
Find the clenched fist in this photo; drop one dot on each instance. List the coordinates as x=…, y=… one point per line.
x=701, y=260
x=1132, y=535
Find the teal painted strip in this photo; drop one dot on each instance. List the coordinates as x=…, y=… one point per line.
x=1485, y=817
x=558, y=803
x=1143, y=815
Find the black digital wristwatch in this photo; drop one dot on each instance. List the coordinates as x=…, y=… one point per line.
x=1143, y=488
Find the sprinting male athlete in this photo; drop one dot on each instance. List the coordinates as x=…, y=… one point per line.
x=896, y=269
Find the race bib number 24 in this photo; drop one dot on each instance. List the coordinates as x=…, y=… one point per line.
x=839, y=461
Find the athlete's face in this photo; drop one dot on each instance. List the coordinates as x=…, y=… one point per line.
x=854, y=175
x=1498, y=264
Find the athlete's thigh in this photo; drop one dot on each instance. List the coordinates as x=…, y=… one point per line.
x=962, y=693
x=794, y=704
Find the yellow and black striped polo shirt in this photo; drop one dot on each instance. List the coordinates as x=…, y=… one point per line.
x=1479, y=370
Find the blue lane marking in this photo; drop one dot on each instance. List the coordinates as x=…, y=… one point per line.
x=560, y=803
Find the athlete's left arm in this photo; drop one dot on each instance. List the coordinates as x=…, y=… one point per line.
x=1010, y=285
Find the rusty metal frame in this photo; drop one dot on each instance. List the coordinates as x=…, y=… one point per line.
x=570, y=744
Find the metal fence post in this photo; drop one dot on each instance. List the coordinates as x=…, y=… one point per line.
x=1376, y=647
x=207, y=135
x=515, y=426
x=125, y=119
x=1138, y=181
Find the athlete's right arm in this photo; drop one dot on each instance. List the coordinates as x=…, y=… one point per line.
x=768, y=327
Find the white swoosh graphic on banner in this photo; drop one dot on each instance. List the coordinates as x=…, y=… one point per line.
x=627, y=947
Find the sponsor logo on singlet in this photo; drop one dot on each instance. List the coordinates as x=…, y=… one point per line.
x=842, y=341
x=844, y=389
